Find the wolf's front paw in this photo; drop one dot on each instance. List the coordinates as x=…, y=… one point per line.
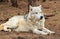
x=52, y=33
x=44, y=33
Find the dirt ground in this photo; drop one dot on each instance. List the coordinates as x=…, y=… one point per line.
x=52, y=23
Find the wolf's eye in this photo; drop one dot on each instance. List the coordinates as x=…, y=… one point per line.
x=36, y=13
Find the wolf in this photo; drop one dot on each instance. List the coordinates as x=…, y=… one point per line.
x=33, y=21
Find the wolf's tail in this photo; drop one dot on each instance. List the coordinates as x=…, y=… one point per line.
x=1, y=27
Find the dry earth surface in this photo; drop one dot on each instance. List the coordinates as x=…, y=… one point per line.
x=52, y=23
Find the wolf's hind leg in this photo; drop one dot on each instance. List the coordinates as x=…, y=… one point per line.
x=6, y=29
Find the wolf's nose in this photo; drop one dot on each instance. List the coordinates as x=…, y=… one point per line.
x=41, y=17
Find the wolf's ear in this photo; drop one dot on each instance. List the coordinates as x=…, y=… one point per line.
x=30, y=7
x=40, y=6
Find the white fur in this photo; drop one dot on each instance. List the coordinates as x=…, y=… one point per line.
x=30, y=21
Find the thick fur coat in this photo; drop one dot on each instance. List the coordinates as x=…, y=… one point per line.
x=33, y=21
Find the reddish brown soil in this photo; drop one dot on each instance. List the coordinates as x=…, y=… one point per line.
x=52, y=23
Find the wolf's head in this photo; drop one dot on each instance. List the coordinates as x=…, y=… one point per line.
x=35, y=13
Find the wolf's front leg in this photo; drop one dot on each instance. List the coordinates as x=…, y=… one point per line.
x=48, y=31
x=45, y=29
x=39, y=32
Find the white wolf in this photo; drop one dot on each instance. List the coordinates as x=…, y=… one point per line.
x=33, y=21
